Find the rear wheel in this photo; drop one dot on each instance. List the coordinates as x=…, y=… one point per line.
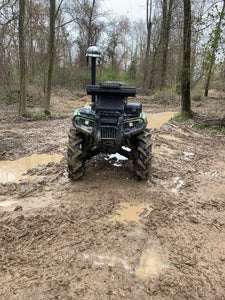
x=74, y=155
x=142, y=156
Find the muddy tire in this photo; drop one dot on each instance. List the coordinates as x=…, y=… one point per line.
x=74, y=155
x=142, y=156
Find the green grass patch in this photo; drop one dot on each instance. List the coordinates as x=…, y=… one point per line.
x=190, y=123
x=178, y=118
x=2, y=97
x=201, y=126
x=32, y=102
x=30, y=105
x=37, y=115
x=212, y=129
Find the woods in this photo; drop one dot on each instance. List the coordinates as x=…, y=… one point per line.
x=110, y=190
x=153, y=54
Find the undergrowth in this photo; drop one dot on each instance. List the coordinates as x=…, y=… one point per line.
x=212, y=129
x=191, y=123
x=37, y=115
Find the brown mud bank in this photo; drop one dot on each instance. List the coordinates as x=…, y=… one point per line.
x=108, y=236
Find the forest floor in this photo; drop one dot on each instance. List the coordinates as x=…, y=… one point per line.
x=109, y=236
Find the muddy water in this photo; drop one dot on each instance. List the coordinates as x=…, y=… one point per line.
x=107, y=259
x=153, y=262
x=129, y=213
x=13, y=170
x=155, y=121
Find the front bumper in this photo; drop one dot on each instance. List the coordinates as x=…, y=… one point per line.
x=124, y=127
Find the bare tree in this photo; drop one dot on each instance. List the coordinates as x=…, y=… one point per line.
x=185, y=82
x=214, y=48
x=149, y=30
x=86, y=15
x=22, y=103
x=51, y=49
x=166, y=23
x=117, y=31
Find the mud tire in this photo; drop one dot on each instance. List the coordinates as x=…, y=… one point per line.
x=74, y=155
x=142, y=156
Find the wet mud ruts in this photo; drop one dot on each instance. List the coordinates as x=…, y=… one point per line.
x=78, y=240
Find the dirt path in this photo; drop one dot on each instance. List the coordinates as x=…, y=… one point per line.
x=109, y=236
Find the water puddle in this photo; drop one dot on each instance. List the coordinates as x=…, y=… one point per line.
x=116, y=158
x=153, y=261
x=130, y=213
x=109, y=260
x=188, y=156
x=178, y=184
x=13, y=170
x=170, y=138
x=155, y=121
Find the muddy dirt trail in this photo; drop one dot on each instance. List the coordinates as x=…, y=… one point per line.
x=108, y=236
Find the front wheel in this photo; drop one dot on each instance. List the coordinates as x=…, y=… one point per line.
x=142, y=155
x=74, y=155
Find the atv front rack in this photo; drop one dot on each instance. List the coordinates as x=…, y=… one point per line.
x=115, y=90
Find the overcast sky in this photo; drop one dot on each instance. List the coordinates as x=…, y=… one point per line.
x=133, y=9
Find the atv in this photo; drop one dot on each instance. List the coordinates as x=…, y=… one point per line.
x=111, y=125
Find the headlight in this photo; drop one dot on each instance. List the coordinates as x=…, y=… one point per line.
x=85, y=122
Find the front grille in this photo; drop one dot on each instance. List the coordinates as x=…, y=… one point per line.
x=108, y=133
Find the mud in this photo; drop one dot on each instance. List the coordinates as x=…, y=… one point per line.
x=153, y=262
x=156, y=120
x=108, y=236
x=13, y=170
x=129, y=213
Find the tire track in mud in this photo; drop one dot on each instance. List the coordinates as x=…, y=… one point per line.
x=70, y=241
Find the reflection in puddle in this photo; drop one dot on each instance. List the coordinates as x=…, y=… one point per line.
x=179, y=183
x=129, y=213
x=153, y=262
x=109, y=260
x=171, y=138
x=117, y=158
x=13, y=170
x=155, y=121
x=188, y=156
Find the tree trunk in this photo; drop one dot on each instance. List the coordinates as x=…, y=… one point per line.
x=185, y=81
x=214, y=49
x=22, y=103
x=153, y=70
x=165, y=41
x=149, y=30
x=51, y=51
